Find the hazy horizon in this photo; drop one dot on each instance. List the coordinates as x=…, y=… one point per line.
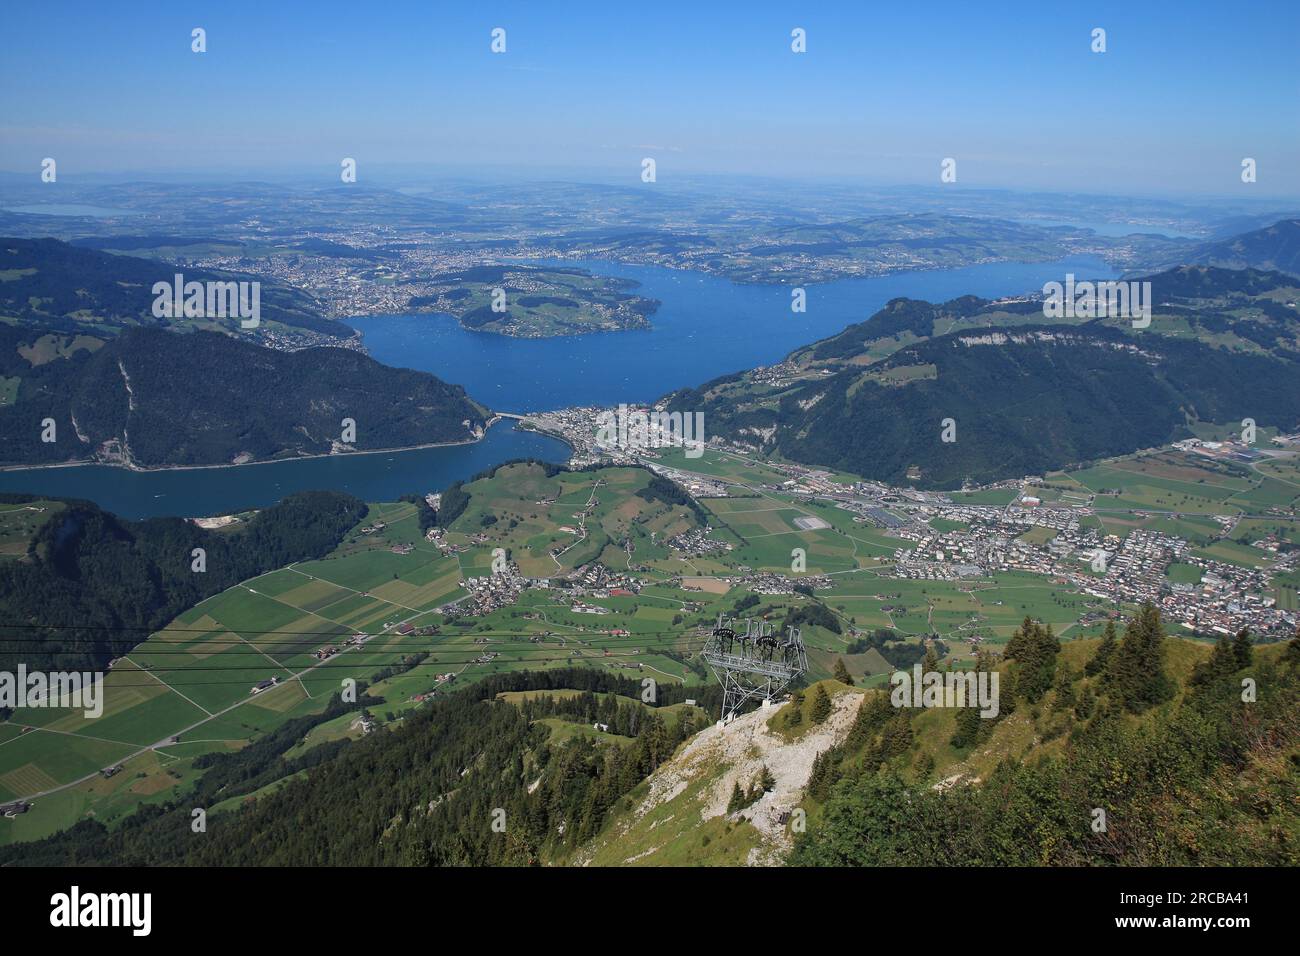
x=1178, y=99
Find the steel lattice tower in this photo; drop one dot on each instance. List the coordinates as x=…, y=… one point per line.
x=755, y=664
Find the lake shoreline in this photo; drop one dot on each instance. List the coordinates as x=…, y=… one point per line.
x=528, y=425
x=136, y=469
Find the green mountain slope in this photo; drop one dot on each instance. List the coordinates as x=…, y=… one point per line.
x=61, y=288
x=1274, y=247
x=1154, y=731
x=1158, y=737
x=152, y=398
x=1157, y=756
x=1024, y=394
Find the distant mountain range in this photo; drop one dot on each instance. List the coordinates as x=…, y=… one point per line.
x=1024, y=394
x=1273, y=247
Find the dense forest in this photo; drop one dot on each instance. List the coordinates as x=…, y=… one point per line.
x=93, y=585
x=1210, y=776
x=455, y=499
x=164, y=398
x=814, y=614
x=668, y=492
x=1199, y=294
x=123, y=386
x=1009, y=401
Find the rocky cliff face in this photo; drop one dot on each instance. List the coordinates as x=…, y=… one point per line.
x=679, y=815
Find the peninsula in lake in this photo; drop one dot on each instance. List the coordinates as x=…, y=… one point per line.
x=91, y=373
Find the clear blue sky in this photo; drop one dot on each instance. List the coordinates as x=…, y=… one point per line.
x=885, y=91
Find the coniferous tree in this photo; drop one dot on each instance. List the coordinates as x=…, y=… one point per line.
x=842, y=672
x=1109, y=641
x=1033, y=648
x=1087, y=704
x=821, y=705
x=968, y=727
x=1292, y=655
x=737, y=801
x=825, y=773
x=1021, y=814
x=1241, y=649
x=1019, y=638
x=1064, y=689
x=924, y=765
x=1136, y=674
x=1221, y=663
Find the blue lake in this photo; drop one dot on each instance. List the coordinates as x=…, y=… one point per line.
x=197, y=492
x=705, y=327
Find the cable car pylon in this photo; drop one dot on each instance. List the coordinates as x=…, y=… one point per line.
x=754, y=665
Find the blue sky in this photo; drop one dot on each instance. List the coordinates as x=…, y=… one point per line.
x=885, y=91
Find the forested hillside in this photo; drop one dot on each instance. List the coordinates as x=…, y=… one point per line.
x=93, y=585
x=1117, y=759
x=1273, y=247
x=68, y=289
x=152, y=398
x=1022, y=395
